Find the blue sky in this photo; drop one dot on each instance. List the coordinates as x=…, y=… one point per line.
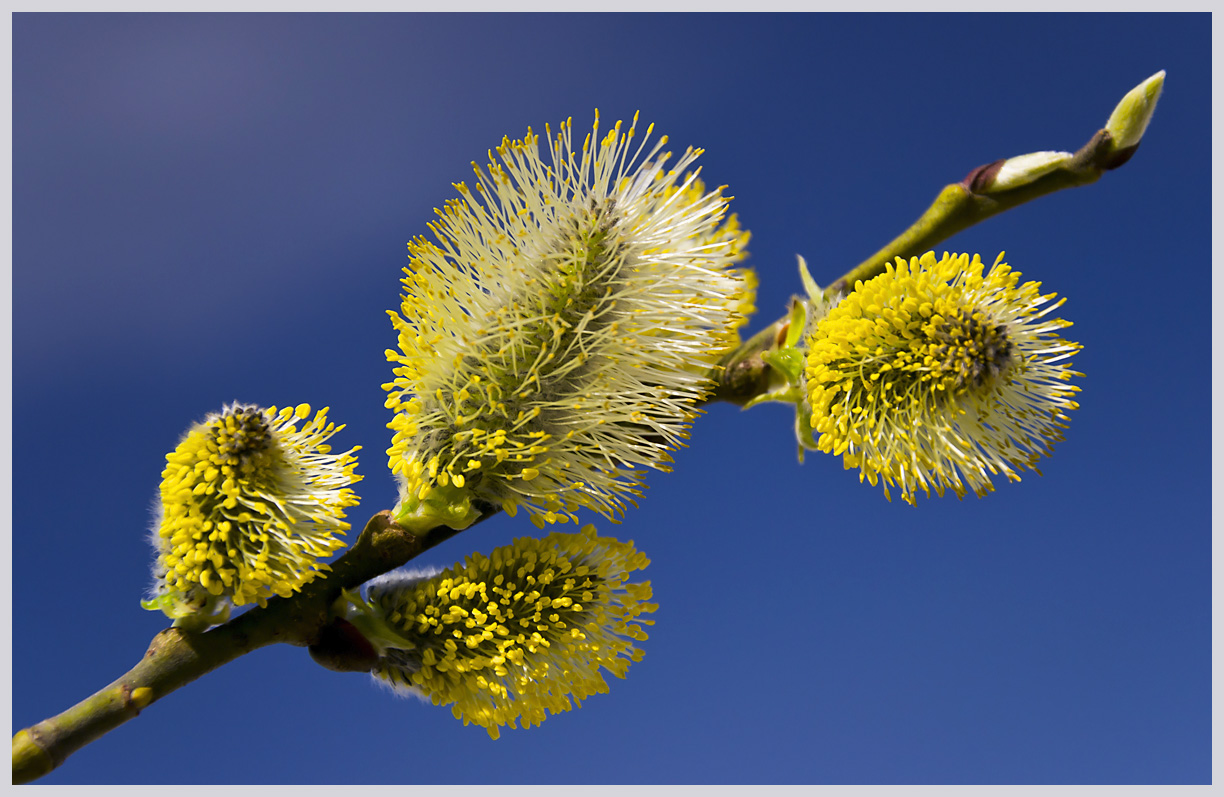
x=215, y=208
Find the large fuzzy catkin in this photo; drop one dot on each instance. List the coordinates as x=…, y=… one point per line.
x=559, y=332
x=937, y=375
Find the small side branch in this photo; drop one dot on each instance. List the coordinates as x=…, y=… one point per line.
x=743, y=375
x=977, y=198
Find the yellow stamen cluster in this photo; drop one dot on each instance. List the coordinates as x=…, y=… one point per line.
x=249, y=502
x=935, y=375
x=562, y=328
x=514, y=636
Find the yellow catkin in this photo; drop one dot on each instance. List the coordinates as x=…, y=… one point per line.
x=564, y=323
x=937, y=374
x=512, y=637
x=249, y=503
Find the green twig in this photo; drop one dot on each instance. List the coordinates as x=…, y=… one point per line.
x=987, y=190
x=961, y=205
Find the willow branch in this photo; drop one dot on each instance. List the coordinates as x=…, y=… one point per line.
x=986, y=191
x=964, y=204
x=177, y=657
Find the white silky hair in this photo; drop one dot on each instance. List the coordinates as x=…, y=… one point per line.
x=403, y=578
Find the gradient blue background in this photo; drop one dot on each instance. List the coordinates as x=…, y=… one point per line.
x=215, y=208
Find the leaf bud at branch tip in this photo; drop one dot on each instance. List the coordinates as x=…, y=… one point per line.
x=1130, y=119
x=1109, y=149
